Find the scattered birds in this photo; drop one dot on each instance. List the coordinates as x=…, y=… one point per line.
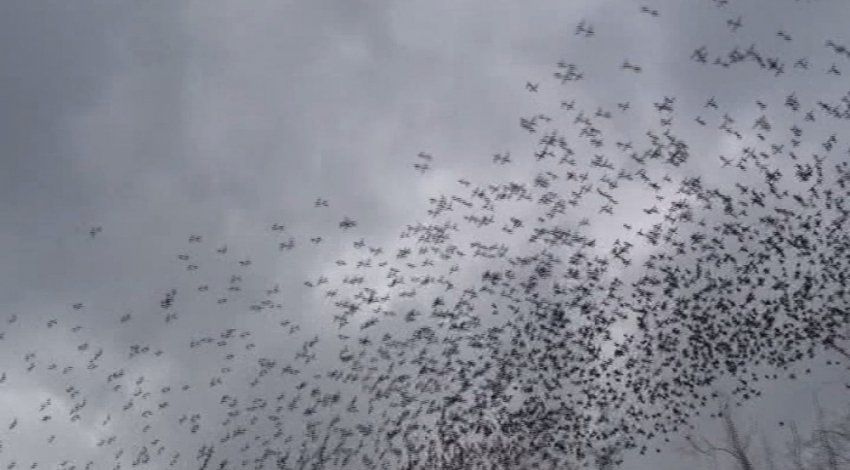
x=491, y=321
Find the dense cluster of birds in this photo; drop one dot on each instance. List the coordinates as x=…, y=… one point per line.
x=530, y=323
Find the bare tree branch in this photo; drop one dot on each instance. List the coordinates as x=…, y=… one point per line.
x=768, y=453
x=796, y=448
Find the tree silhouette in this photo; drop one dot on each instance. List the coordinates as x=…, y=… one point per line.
x=826, y=449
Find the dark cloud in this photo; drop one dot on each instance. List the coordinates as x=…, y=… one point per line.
x=160, y=120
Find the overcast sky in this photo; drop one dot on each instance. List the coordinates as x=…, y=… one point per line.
x=160, y=120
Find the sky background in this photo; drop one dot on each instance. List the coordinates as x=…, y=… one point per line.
x=160, y=120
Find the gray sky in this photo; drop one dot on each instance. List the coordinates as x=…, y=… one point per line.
x=160, y=120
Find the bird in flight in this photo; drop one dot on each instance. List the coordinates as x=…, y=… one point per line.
x=734, y=24
x=502, y=158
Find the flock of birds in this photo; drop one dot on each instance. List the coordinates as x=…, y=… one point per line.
x=543, y=346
